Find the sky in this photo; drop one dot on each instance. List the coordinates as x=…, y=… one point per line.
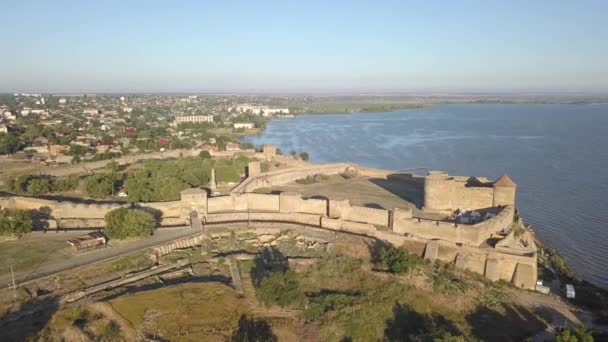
x=304, y=46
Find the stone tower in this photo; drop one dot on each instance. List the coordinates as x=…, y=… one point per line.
x=437, y=191
x=212, y=183
x=504, y=191
x=253, y=168
x=270, y=151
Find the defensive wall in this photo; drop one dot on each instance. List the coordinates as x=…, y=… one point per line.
x=446, y=242
x=445, y=193
x=284, y=176
x=133, y=158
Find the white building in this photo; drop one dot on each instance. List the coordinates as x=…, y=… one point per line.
x=3, y=129
x=63, y=101
x=8, y=115
x=192, y=119
x=127, y=109
x=91, y=111
x=257, y=110
x=245, y=125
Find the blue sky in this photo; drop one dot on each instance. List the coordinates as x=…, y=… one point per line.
x=304, y=46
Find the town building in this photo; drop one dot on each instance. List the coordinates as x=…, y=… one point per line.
x=245, y=125
x=233, y=147
x=192, y=119
x=257, y=110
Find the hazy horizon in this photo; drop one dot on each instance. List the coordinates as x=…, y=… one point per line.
x=312, y=47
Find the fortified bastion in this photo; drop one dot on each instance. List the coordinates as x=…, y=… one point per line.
x=464, y=245
x=445, y=193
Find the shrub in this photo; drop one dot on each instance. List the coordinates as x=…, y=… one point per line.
x=312, y=179
x=282, y=288
x=398, y=260
x=578, y=334
x=304, y=156
x=110, y=332
x=204, y=155
x=319, y=305
x=122, y=223
x=15, y=221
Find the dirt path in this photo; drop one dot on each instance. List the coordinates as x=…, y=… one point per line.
x=159, y=238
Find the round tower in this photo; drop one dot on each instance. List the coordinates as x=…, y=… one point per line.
x=436, y=191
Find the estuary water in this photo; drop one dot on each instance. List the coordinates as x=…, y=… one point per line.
x=557, y=154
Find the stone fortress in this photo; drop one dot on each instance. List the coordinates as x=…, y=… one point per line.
x=486, y=246
x=445, y=193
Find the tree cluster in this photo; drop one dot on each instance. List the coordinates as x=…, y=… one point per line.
x=102, y=184
x=9, y=143
x=122, y=223
x=15, y=222
x=38, y=185
x=577, y=334
x=164, y=180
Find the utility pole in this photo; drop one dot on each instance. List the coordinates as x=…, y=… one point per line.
x=14, y=284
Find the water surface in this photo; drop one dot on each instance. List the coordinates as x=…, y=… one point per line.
x=558, y=155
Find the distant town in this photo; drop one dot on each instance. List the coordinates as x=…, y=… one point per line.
x=62, y=129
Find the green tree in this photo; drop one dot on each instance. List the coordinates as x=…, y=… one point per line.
x=304, y=156
x=122, y=223
x=204, y=154
x=398, y=260
x=77, y=150
x=101, y=185
x=38, y=186
x=9, y=143
x=282, y=288
x=66, y=183
x=578, y=334
x=15, y=222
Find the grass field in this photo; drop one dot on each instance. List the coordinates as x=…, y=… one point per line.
x=30, y=252
x=202, y=310
x=361, y=191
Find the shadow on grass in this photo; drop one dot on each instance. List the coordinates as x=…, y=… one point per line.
x=375, y=247
x=509, y=323
x=26, y=323
x=115, y=293
x=410, y=325
x=253, y=329
x=267, y=261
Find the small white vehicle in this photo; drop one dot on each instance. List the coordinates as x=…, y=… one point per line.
x=570, y=291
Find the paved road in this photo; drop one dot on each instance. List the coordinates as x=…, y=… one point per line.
x=160, y=237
